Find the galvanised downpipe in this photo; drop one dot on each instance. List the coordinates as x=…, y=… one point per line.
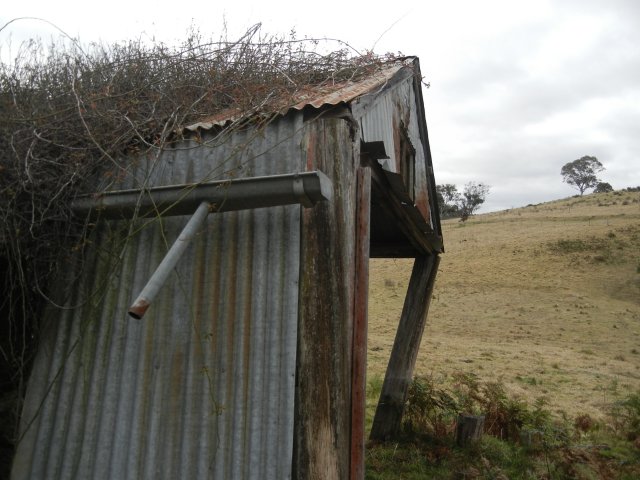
x=159, y=277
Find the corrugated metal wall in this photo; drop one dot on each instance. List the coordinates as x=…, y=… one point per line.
x=203, y=386
x=380, y=120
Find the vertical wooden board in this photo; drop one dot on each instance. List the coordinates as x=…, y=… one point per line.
x=359, y=375
x=323, y=373
x=386, y=422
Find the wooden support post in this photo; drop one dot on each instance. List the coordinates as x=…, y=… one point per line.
x=386, y=423
x=324, y=365
x=359, y=359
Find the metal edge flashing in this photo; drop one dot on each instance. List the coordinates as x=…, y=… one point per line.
x=424, y=135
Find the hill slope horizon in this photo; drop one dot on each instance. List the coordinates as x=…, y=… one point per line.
x=544, y=298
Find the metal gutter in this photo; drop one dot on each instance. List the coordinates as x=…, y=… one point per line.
x=306, y=188
x=242, y=194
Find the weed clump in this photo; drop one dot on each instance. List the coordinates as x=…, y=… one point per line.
x=520, y=441
x=434, y=409
x=625, y=416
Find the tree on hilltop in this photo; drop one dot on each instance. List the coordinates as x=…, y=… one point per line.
x=603, y=187
x=582, y=173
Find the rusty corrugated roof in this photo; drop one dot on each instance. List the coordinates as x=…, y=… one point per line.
x=315, y=96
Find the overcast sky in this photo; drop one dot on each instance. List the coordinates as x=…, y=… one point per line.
x=518, y=88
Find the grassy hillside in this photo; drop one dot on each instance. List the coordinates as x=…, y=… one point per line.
x=545, y=298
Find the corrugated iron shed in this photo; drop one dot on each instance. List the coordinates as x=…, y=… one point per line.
x=250, y=365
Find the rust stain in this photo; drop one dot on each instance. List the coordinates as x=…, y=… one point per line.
x=315, y=96
x=397, y=142
x=138, y=309
x=422, y=203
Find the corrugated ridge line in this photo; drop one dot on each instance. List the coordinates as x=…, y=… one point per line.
x=158, y=327
x=231, y=332
x=227, y=388
x=291, y=339
x=34, y=457
x=376, y=125
x=143, y=249
x=86, y=421
x=209, y=437
x=40, y=428
x=279, y=287
x=150, y=247
x=110, y=439
x=144, y=364
x=219, y=369
x=186, y=330
x=284, y=368
x=200, y=448
x=70, y=378
x=257, y=348
x=186, y=305
x=78, y=429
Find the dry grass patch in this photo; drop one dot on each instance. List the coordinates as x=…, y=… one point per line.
x=546, y=298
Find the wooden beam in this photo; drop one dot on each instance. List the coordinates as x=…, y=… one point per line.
x=403, y=215
x=361, y=296
x=388, y=417
x=322, y=415
x=398, y=249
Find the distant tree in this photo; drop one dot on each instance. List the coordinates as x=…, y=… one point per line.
x=582, y=173
x=453, y=204
x=448, y=198
x=603, y=187
x=473, y=196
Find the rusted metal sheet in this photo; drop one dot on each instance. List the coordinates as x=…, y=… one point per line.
x=315, y=96
x=392, y=118
x=204, y=388
x=325, y=335
x=434, y=213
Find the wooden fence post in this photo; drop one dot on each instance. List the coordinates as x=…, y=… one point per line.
x=469, y=428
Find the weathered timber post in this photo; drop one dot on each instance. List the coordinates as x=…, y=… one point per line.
x=469, y=429
x=386, y=422
x=359, y=361
x=322, y=417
